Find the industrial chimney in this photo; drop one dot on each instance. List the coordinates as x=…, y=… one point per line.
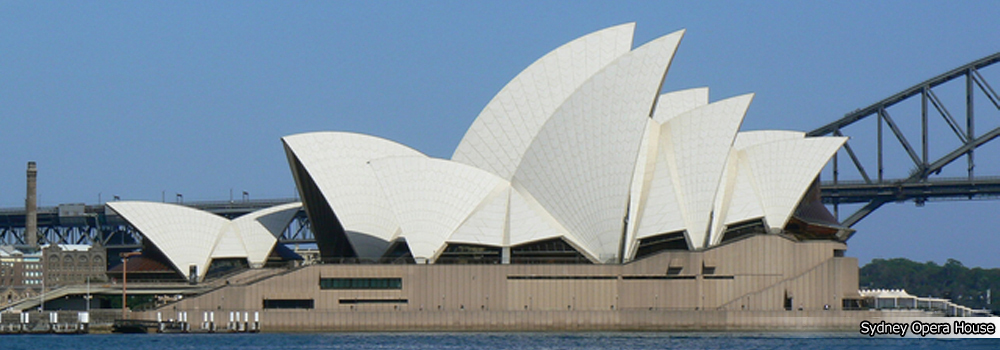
x=31, y=208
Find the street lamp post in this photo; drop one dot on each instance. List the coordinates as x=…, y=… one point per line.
x=88, y=295
x=125, y=257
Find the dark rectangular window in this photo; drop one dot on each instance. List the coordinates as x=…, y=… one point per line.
x=658, y=277
x=289, y=304
x=719, y=277
x=360, y=283
x=562, y=277
x=374, y=301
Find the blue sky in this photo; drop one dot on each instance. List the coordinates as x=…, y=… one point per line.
x=137, y=99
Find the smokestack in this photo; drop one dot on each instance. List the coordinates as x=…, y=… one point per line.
x=31, y=208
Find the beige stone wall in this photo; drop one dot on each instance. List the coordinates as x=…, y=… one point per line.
x=751, y=275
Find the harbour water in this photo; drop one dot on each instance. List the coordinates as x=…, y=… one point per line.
x=548, y=341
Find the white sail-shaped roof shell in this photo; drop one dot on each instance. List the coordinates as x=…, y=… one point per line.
x=697, y=143
x=189, y=236
x=738, y=198
x=338, y=164
x=432, y=197
x=259, y=230
x=502, y=132
x=783, y=170
x=603, y=120
x=228, y=244
x=668, y=106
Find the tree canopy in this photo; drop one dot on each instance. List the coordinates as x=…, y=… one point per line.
x=963, y=285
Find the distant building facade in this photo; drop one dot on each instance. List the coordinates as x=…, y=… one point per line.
x=21, y=274
x=74, y=264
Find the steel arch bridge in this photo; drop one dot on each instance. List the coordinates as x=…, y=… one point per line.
x=923, y=182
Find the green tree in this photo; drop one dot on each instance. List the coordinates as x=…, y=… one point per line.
x=953, y=280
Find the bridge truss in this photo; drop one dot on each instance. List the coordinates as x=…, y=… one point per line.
x=923, y=182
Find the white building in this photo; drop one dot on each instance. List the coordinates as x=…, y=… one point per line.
x=580, y=158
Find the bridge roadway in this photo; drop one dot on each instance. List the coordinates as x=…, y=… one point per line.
x=850, y=192
x=97, y=224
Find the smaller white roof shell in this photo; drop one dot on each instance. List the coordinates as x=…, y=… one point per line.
x=783, y=171
x=259, y=230
x=674, y=103
x=189, y=236
x=431, y=198
x=700, y=140
x=738, y=198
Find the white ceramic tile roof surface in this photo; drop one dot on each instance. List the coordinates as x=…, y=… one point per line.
x=672, y=104
x=579, y=146
x=185, y=235
x=662, y=211
x=228, y=244
x=738, y=199
x=701, y=140
x=668, y=216
x=529, y=222
x=783, y=171
x=432, y=197
x=502, y=132
x=602, y=120
x=338, y=162
x=189, y=236
x=642, y=177
x=259, y=230
x=487, y=223
x=746, y=139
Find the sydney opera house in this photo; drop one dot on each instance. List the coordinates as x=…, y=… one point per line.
x=581, y=197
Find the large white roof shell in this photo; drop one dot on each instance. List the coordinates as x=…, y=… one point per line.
x=508, y=124
x=603, y=120
x=338, y=163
